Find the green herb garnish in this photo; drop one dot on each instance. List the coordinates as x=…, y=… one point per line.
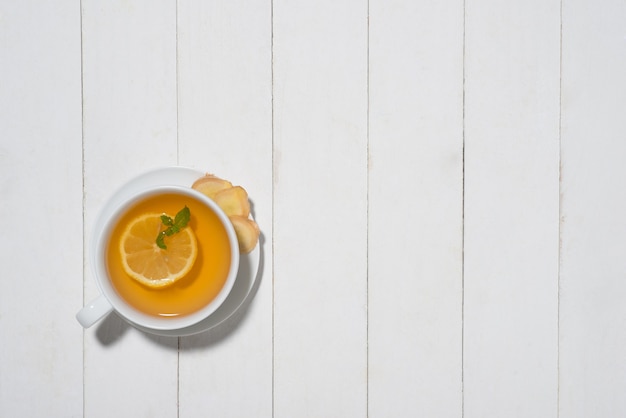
x=173, y=225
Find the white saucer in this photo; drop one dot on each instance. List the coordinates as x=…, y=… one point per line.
x=248, y=263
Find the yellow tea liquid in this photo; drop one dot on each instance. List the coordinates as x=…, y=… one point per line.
x=200, y=286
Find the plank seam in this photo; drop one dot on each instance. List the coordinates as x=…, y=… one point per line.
x=273, y=201
x=177, y=90
x=463, y=218
x=463, y=47
x=367, y=215
x=560, y=214
x=82, y=138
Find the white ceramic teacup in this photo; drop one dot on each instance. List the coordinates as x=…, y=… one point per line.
x=110, y=300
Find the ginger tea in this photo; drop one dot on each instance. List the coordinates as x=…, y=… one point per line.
x=198, y=287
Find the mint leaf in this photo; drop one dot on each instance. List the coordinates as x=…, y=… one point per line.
x=173, y=226
x=160, y=242
x=167, y=221
x=182, y=217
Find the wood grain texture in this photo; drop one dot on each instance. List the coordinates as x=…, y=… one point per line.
x=225, y=127
x=511, y=208
x=439, y=187
x=592, y=310
x=415, y=208
x=129, y=99
x=320, y=247
x=41, y=210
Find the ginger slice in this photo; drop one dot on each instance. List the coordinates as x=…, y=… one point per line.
x=247, y=232
x=210, y=185
x=233, y=201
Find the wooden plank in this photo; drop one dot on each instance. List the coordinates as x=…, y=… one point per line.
x=415, y=208
x=129, y=79
x=225, y=127
x=592, y=309
x=511, y=209
x=320, y=191
x=41, y=208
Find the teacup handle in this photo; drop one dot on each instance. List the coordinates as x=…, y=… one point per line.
x=94, y=311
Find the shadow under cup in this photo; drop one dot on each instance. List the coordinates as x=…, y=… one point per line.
x=139, y=313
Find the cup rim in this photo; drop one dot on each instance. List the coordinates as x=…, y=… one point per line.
x=123, y=308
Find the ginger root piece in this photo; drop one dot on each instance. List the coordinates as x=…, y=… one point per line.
x=233, y=201
x=210, y=185
x=247, y=232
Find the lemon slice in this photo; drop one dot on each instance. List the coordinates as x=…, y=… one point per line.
x=150, y=265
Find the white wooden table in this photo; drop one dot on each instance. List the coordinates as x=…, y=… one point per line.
x=440, y=186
